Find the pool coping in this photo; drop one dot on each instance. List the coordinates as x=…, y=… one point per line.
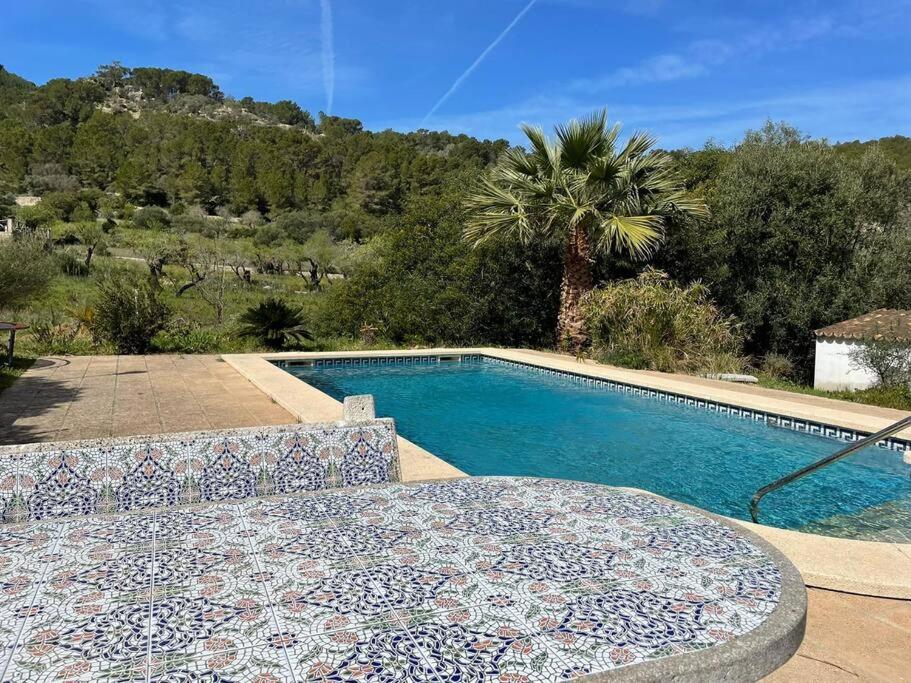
x=875, y=568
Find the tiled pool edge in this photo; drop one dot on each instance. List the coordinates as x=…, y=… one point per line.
x=872, y=568
x=774, y=419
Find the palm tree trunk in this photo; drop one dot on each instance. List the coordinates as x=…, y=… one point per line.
x=577, y=281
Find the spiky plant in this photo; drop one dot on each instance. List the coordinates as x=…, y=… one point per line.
x=274, y=323
x=585, y=191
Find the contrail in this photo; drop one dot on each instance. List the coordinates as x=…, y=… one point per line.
x=461, y=79
x=328, y=53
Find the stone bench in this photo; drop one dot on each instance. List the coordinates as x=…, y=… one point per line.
x=51, y=480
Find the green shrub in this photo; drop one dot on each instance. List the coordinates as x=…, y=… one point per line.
x=62, y=204
x=889, y=360
x=26, y=269
x=421, y=283
x=111, y=206
x=71, y=263
x=184, y=336
x=151, y=218
x=128, y=312
x=189, y=223
x=653, y=323
x=82, y=212
x=268, y=236
x=239, y=231
x=35, y=217
x=777, y=366
x=55, y=337
x=300, y=225
x=274, y=324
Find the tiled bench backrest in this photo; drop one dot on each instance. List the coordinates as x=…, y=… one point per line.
x=41, y=481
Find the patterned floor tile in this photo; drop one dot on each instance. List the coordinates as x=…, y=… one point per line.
x=305, y=595
x=627, y=624
x=260, y=665
x=189, y=625
x=214, y=527
x=430, y=652
x=90, y=633
x=375, y=593
x=502, y=580
x=115, y=534
x=457, y=494
x=344, y=542
x=321, y=506
x=22, y=542
x=13, y=617
x=75, y=670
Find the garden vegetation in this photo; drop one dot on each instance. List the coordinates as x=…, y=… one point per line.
x=175, y=218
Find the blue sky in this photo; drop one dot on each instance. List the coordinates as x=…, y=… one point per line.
x=687, y=71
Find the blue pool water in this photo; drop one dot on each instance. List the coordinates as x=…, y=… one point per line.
x=496, y=419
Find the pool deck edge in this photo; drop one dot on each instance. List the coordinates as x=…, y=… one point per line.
x=872, y=568
x=308, y=404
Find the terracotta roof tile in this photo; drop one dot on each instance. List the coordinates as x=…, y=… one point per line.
x=885, y=323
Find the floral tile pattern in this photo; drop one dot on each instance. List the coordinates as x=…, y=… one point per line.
x=529, y=580
x=45, y=481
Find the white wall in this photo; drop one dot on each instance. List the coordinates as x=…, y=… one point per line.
x=834, y=369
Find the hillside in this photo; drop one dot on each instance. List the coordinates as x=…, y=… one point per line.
x=895, y=147
x=173, y=139
x=13, y=89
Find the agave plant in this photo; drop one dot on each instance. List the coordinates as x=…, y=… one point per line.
x=274, y=323
x=588, y=192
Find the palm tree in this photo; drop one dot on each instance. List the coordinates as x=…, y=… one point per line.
x=274, y=323
x=585, y=192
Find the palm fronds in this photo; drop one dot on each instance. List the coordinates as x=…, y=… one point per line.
x=274, y=323
x=620, y=197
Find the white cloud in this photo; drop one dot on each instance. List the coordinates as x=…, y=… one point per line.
x=667, y=67
x=842, y=112
x=699, y=57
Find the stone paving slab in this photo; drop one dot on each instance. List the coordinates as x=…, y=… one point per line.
x=852, y=638
x=88, y=397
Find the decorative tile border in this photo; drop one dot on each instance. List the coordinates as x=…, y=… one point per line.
x=50, y=480
x=381, y=360
x=773, y=419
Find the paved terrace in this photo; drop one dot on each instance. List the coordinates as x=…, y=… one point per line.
x=849, y=637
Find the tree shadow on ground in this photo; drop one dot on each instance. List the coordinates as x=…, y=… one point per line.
x=31, y=396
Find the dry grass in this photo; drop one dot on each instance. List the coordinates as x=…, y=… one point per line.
x=655, y=324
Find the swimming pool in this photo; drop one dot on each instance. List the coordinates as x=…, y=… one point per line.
x=494, y=418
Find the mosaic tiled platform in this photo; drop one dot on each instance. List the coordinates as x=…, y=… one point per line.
x=513, y=580
x=43, y=481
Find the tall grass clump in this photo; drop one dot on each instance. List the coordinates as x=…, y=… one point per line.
x=653, y=323
x=26, y=269
x=129, y=312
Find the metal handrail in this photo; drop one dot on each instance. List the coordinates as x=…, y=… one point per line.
x=835, y=457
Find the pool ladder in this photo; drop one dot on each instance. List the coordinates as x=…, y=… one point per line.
x=828, y=460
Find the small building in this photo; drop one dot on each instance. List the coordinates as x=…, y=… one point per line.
x=835, y=367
